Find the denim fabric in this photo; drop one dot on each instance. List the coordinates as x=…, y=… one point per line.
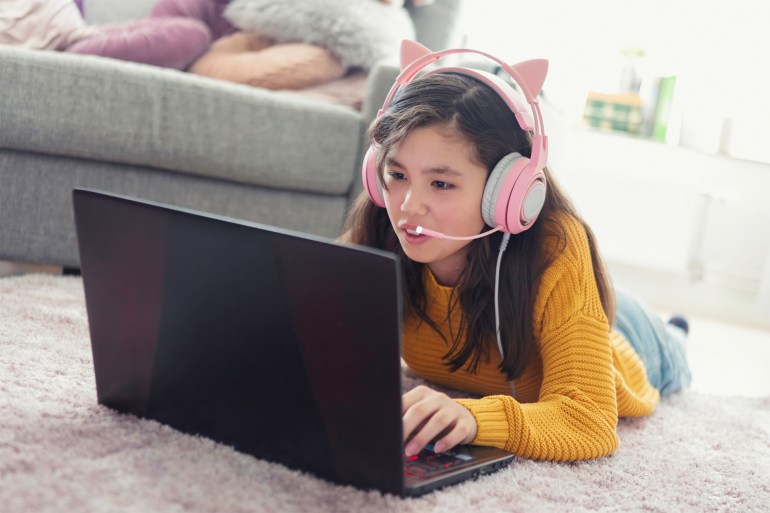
x=661, y=346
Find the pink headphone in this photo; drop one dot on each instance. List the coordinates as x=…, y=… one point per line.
x=515, y=190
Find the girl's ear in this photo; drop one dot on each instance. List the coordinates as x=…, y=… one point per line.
x=411, y=51
x=533, y=74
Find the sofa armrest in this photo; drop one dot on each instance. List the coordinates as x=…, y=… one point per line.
x=437, y=25
x=381, y=78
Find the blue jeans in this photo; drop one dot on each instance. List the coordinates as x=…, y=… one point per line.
x=661, y=346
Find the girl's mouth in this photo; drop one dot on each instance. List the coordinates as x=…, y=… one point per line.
x=414, y=235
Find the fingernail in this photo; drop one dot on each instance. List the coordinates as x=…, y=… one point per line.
x=411, y=449
x=439, y=447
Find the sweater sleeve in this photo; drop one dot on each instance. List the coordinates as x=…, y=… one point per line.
x=576, y=413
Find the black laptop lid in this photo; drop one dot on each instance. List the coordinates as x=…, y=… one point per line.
x=282, y=345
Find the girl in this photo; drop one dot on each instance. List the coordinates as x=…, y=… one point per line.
x=569, y=356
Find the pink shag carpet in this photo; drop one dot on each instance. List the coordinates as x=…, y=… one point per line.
x=61, y=451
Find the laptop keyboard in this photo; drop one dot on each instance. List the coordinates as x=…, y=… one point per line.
x=427, y=463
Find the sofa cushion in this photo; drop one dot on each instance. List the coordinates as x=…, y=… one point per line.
x=102, y=109
x=359, y=33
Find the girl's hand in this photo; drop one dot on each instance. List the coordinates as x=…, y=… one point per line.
x=428, y=414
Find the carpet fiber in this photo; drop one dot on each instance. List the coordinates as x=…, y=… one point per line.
x=61, y=451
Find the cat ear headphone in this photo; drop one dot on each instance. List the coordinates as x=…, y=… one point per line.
x=515, y=190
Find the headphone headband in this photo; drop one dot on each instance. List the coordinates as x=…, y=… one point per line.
x=409, y=72
x=528, y=76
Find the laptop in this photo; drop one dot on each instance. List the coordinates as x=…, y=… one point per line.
x=283, y=345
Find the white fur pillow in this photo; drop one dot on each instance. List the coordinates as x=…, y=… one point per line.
x=358, y=32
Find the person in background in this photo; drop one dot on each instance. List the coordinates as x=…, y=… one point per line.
x=193, y=35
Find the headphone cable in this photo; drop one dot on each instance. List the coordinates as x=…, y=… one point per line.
x=503, y=245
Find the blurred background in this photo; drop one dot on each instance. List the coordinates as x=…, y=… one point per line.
x=657, y=117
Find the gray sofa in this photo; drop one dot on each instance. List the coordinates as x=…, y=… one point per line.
x=80, y=121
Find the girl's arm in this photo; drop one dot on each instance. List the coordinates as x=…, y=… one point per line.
x=576, y=412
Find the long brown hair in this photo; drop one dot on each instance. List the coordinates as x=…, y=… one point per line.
x=481, y=116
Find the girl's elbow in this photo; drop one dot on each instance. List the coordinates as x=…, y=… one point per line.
x=602, y=444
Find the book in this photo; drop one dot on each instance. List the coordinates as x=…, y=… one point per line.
x=665, y=99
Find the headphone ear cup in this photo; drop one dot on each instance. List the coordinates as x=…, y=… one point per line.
x=491, y=199
x=514, y=194
x=533, y=200
x=492, y=190
x=369, y=177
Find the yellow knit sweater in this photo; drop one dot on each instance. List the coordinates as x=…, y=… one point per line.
x=581, y=378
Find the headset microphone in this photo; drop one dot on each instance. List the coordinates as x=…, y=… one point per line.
x=438, y=235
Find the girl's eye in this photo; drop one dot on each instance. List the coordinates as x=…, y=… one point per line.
x=395, y=175
x=442, y=185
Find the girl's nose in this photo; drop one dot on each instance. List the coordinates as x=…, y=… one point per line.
x=413, y=203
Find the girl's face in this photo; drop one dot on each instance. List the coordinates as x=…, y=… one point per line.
x=432, y=181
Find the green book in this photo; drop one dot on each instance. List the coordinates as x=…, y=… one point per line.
x=663, y=111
